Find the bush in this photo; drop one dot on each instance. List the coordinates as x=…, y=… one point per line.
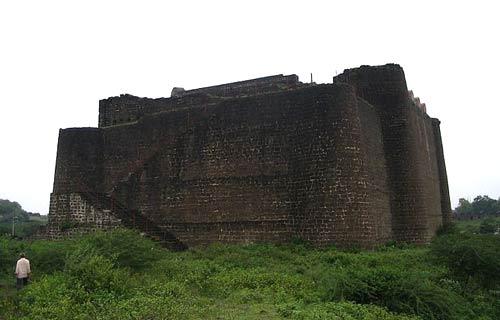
x=470, y=258
x=125, y=247
x=9, y=253
x=167, y=300
x=121, y=275
x=45, y=256
x=489, y=226
x=94, y=272
x=49, y=256
x=340, y=311
x=391, y=286
x=52, y=297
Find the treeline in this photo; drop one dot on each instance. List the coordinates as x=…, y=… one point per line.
x=10, y=209
x=25, y=223
x=481, y=206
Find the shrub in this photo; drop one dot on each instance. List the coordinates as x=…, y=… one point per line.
x=95, y=272
x=125, y=247
x=470, y=258
x=398, y=289
x=49, y=256
x=489, y=226
x=168, y=300
x=52, y=297
x=45, y=256
x=121, y=275
x=9, y=253
x=340, y=311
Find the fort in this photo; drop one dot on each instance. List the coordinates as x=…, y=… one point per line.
x=356, y=162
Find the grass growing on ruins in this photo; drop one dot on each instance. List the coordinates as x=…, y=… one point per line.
x=121, y=275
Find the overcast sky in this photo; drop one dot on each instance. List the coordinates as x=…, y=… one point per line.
x=58, y=58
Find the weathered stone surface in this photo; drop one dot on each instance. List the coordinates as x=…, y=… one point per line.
x=353, y=163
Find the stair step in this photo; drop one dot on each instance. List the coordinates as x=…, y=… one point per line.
x=134, y=220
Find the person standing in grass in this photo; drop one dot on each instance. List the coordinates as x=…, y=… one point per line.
x=23, y=271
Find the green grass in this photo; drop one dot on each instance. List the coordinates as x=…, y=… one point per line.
x=121, y=275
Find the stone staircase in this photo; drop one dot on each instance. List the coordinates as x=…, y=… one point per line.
x=133, y=219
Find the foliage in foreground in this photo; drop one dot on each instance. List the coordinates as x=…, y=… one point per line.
x=121, y=275
x=473, y=260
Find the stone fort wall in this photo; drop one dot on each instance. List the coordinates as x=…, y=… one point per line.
x=127, y=108
x=355, y=162
x=413, y=152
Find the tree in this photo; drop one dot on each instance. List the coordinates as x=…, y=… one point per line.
x=464, y=206
x=9, y=209
x=484, y=205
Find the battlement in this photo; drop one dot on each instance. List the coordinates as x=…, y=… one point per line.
x=416, y=101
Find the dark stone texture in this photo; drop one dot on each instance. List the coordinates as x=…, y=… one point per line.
x=79, y=160
x=353, y=163
x=410, y=151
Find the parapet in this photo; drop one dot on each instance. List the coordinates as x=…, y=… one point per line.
x=244, y=88
x=127, y=108
x=375, y=82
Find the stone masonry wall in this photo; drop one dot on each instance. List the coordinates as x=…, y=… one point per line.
x=354, y=163
x=79, y=160
x=443, y=177
x=71, y=214
x=410, y=151
x=249, y=87
x=263, y=168
x=378, y=187
x=127, y=108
